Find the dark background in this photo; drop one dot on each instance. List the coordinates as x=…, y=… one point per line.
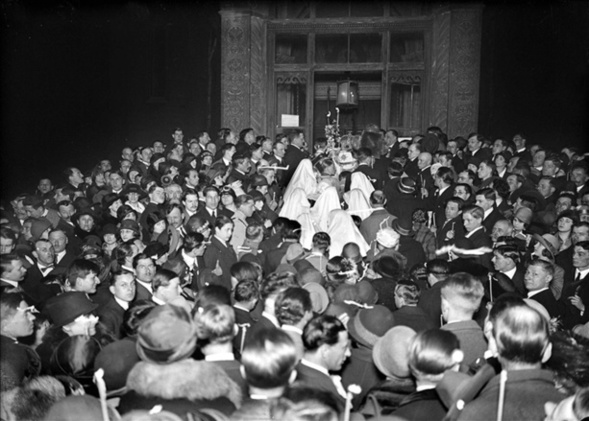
x=81, y=79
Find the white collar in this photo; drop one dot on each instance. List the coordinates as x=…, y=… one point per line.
x=145, y=284
x=291, y=328
x=13, y=283
x=473, y=231
x=582, y=272
x=124, y=304
x=271, y=317
x=315, y=366
x=239, y=306
x=60, y=256
x=442, y=190
x=510, y=273
x=221, y=356
x=189, y=260
x=538, y=291
x=487, y=212
x=157, y=300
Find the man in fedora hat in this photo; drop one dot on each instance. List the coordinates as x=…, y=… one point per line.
x=401, y=200
x=72, y=313
x=366, y=327
x=408, y=246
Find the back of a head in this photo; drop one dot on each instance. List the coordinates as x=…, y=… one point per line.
x=301, y=403
x=215, y=324
x=292, y=305
x=269, y=359
x=276, y=282
x=463, y=293
x=320, y=330
x=521, y=334
x=432, y=352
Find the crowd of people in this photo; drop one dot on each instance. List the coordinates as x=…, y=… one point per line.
x=250, y=278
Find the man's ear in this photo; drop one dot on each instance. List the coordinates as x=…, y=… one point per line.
x=36, y=254
x=242, y=371
x=547, y=353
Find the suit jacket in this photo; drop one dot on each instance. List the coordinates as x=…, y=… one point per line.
x=111, y=315
x=412, y=250
x=526, y=393
x=546, y=298
x=66, y=261
x=430, y=302
x=425, y=180
x=225, y=255
x=318, y=380
x=292, y=158
x=36, y=289
x=439, y=204
x=141, y=293
x=471, y=337
x=371, y=225
x=244, y=322
x=188, y=276
x=235, y=175
x=274, y=257
x=262, y=324
x=414, y=317
x=481, y=155
x=480, y=239
x=450, y=232
x=360, y=370
x=411, y=169
x=572, y=314
x=490, y=220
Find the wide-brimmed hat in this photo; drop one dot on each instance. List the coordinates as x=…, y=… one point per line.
x=387, y=237
x=368, y=295
x=391, y=352
x=319, y=297
x=108, y=229
x=82, y=212
x=117, y=359
x=294, y=252
x=67, y=307
x=166, y=335
x=109, y=199
x=370, y=324
x=550, y=243
x=130, y=224
x=134, y=188
x=386, y=266
x=259, y=181
x=38, y=227
x=406, y=185
x=403, y=227
x=524, y=214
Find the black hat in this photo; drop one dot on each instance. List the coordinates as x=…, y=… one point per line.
x=406, y=185
x=109, y=199
x=386, y=266
x=134, y=188
x=403, y=227
x=67, y=307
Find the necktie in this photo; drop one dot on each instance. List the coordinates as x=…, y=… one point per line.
x=578, y=277
x=214, y=213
